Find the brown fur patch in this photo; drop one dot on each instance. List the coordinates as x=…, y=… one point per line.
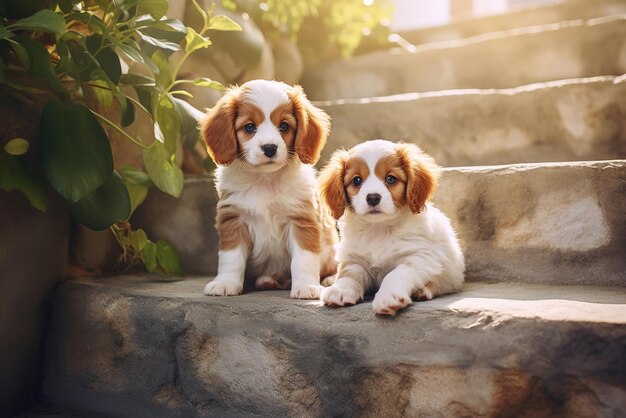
x=313, y=126
x=307, y=230
x=285, y=113
x=355, y=166
x=218, y=128
x=391, y=165
x=247, y=112
x=331, y=186
x=422, y=173
x=231, y=230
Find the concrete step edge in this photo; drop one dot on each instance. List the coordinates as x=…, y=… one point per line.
x=412, y=96
x=515, y=32
x=133, y=346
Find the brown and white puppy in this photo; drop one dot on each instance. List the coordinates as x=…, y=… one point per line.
x=391, y=238
x=265, y=137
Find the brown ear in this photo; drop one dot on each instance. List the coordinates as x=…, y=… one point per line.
x=422, y=173
x=331, y=183
x=218, y=128
x=313, y=127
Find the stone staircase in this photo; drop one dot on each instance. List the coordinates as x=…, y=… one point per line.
x=538, y=330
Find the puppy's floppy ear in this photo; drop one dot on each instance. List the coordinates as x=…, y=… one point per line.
x=313, y=127
x=422, y=174
x=331, y=183
x=218, y=128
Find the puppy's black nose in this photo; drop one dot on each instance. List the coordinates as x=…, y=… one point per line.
x=373, y=199
x=269, y=150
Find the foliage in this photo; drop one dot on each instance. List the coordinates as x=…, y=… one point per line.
x=321, y=27
x=71, y=49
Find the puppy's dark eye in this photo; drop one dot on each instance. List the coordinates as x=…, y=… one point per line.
x=283, y=127
x=356, y=182
x=249, y=127
x=390, y=179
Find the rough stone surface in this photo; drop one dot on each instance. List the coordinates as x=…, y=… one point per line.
x=188, y=222
x=559, y=223
x=580, y=119
x=523, y=17
x=506, y=59
x=543, y=223
x=133, y=346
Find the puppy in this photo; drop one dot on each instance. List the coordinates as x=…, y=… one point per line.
x=265, y=137
x=391, y=239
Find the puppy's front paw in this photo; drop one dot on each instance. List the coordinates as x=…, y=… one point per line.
x=389, y=302
x=223, y=287
x=339, y=296
x=307, y=291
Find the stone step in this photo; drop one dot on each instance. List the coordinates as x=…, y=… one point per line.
x=551, y=223
x=136, y=347
x=566, y=120
x=572, y=49
x=467, y=27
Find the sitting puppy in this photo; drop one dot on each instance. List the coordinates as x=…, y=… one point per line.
x=265, y=136
x=390, y=238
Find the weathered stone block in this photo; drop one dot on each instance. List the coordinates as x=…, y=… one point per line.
x=132, y=346
x=512, y=58
x=568, y=120
x=559, y=223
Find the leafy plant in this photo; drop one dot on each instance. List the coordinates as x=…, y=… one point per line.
x=71, y=49
x=322, y=28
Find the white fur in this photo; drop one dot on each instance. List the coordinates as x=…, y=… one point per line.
x=266, y=200
x=396, y=251
x=267, y=95
x=266, y=194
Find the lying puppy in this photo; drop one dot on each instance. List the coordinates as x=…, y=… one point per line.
x=391, y=239
x=265, y=136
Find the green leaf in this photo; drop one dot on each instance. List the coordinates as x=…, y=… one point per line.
x=138, y=240
x=168, y=258
x=164, y=76
x=74, y=150
x=207, y=82
x=128, y=112
x=182, y=93
x=166, y=175
x=166, y=123
x=15, y=175
x=137, y=195
x=106, y=57
x=39, y=62
x=132, y=52
x=5, y=34
x=223, y=23
x=104, y=206
x=103, y=93
x=189, y=118
x=133, y=175
x=170, y=25
x=137, y=182
x=149, y=256
x=43, y=21
x=195, y=41
x=95, y=24
x=155, y=8
x=17, y=146
x=132, y=79
x=21, y=53
x=160, y=43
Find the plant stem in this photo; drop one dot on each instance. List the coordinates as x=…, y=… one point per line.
x=119, y=130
